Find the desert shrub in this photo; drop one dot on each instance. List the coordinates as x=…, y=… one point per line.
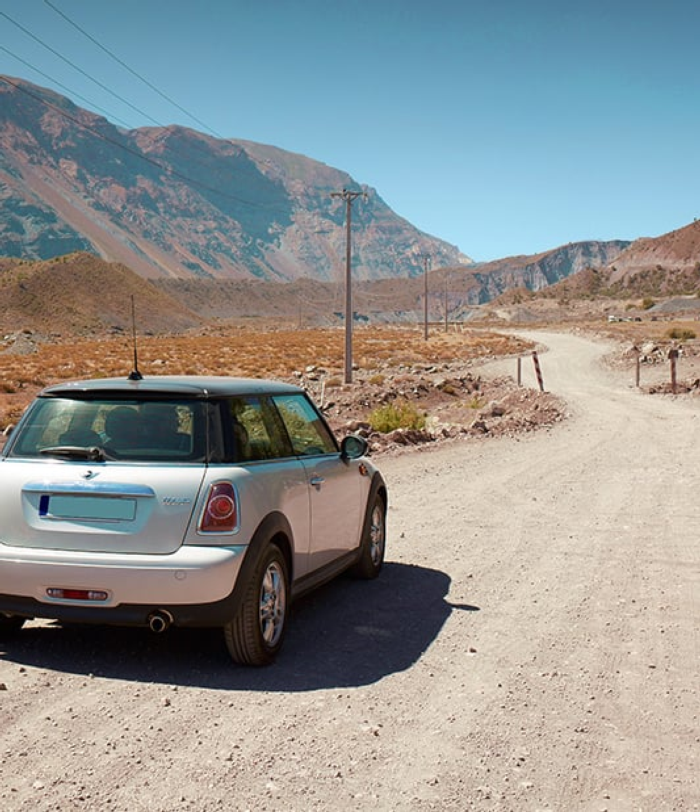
x=648, y=303
x=681, y=334
x=400, y=415
x=377, y=379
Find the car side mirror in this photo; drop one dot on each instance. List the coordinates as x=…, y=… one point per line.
x=353, y=447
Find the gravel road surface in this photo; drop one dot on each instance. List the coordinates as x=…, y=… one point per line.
x=533, y=644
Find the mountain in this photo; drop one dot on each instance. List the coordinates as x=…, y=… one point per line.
x=81, y=293
x=483, y=282
x=392, y=299
x=208, y=219
x=170, y=202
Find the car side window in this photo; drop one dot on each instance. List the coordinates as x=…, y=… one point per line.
x=252, y=430
x=307, y=431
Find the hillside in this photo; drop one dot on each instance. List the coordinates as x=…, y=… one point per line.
x=668, y=265
x=81, y=293
x=677, y=251
x=170, y=202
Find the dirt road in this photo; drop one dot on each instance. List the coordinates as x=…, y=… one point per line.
x=533, y=644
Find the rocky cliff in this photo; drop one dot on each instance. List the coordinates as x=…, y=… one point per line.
x=483, y=282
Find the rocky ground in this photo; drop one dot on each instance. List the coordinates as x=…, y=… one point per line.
x=531, y=645
x=455, y=399
x=652, y=363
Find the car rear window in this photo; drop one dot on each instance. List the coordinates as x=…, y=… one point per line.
x=152, y=430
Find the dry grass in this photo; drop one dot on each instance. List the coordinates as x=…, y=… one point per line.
x=660, y=331
x=244, y=352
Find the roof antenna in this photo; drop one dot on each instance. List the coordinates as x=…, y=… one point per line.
x=134, y=375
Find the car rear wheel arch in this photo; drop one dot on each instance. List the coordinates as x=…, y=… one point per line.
x=273, y=529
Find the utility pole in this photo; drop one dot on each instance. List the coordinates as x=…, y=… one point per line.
x=426, y=263
x=446, y=318
x=349, y=197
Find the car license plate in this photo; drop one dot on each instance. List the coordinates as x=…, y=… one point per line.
x=87, y=508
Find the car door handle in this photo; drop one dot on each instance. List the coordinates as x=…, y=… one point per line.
x=317, y=481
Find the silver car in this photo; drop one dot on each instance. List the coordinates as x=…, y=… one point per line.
x=187, y=501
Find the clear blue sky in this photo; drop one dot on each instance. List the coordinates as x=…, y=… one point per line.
x=504, y=127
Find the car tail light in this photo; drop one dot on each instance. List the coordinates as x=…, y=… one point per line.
x=221, y=510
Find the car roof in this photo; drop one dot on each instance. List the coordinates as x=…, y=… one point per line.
x=197, y=386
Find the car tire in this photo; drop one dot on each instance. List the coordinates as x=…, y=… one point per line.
x=11, y=623
x=373, y=544
x=256, y=633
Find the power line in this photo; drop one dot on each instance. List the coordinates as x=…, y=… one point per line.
x=61, y=112
x=65, y=87
x=113, y=117
x=110, y=115
x=79, y=69
x=168, y=170
x=131, y=70
x=349, y=196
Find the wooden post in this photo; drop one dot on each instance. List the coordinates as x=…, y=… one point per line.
x=538, y=371
x=673, y=357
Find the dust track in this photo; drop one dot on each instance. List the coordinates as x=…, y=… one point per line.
x=532, y=644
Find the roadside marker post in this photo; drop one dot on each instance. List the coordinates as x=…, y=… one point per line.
x=538, y=371
x=520, y=371
x=637, y=374
x=673, y=357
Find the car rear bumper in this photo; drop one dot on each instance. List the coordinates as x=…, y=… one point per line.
x=194, y=585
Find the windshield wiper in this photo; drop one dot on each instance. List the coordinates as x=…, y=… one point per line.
x=76, y=452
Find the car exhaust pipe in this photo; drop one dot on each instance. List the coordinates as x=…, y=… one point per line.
x=159, y=621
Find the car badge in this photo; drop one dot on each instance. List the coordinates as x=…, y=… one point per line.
x=89, y=474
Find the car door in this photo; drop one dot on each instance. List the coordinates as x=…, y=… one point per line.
x=270, y=478
x=335, y=484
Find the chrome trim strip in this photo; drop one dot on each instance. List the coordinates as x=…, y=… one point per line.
x=90, y=489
